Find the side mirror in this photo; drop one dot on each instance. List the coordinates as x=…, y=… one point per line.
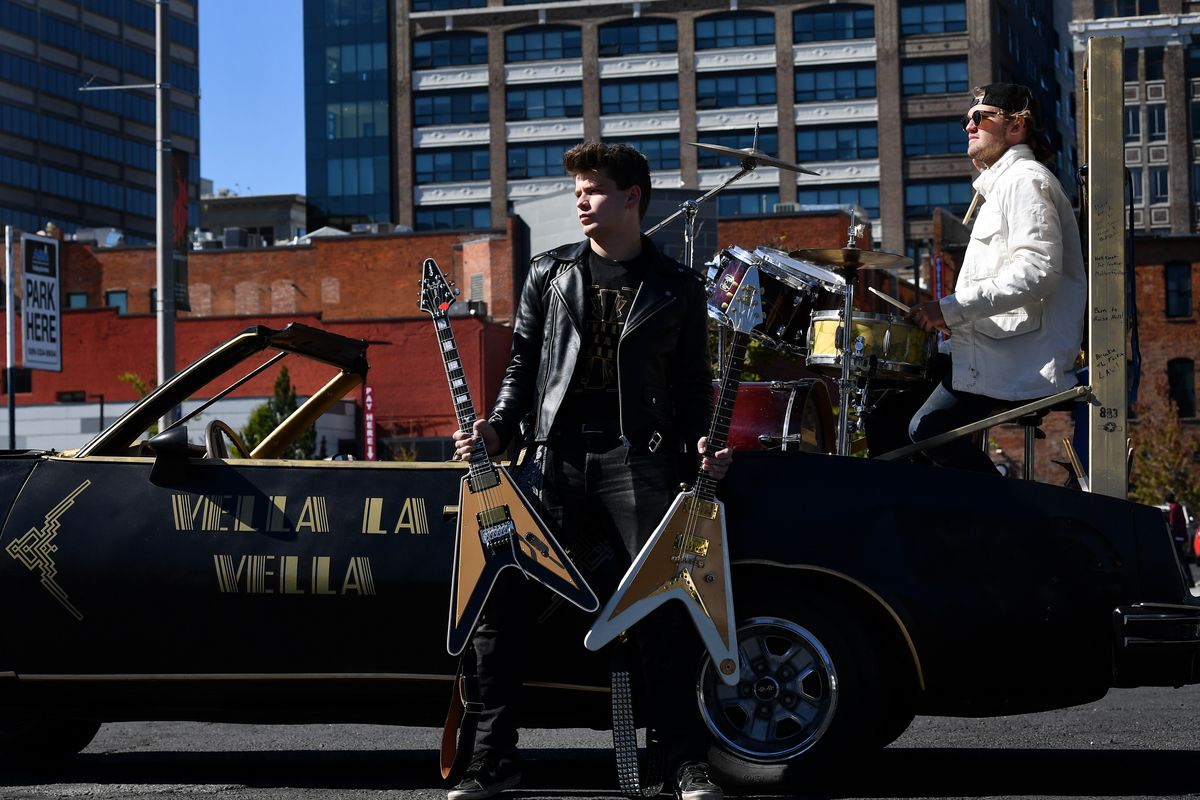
x=171, y=453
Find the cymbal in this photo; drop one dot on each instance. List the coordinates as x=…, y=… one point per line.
x=852, y=257
x=753, y=155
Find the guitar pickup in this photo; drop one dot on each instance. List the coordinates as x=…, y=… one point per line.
x=697, y=545
x=489, y=480
x=705, y=509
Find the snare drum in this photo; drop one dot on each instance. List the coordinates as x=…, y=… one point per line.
x=789, y=296
x=898, y=348
x=793, y=416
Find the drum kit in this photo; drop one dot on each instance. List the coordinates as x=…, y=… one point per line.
x=807, y=296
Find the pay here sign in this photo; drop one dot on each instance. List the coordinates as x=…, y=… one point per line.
x=40, y=338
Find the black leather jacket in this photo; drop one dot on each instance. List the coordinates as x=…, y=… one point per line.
x=663, y=372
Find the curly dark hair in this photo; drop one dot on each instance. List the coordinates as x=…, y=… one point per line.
x=625, y=165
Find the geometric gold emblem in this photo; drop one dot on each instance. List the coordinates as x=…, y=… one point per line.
x=36, y=549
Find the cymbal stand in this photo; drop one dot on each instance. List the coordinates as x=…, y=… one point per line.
x=851, y=351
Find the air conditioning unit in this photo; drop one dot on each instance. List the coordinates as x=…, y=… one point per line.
x=785, y=208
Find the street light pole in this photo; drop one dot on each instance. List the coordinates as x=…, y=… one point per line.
x=165, y=268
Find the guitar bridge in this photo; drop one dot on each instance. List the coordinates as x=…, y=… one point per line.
x=495, y=526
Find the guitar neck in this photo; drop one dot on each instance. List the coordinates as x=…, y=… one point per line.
x=464, y=408
x=718, y=431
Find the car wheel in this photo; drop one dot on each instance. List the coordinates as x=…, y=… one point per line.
x=811, y=691
x=47, y=739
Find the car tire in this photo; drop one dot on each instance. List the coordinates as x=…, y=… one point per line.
x=48, y=739
x=814, y=689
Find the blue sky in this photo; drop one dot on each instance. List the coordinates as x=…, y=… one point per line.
x=252, y=95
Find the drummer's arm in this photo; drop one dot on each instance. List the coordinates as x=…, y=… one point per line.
x=928, y=316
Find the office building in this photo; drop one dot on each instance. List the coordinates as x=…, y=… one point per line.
x=480, y=98
x=87, y=159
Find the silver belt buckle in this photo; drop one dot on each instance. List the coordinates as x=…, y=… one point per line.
x=655, y=440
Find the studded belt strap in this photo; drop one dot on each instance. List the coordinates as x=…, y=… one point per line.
x=634, y=779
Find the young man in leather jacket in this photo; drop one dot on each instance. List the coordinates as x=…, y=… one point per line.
x=610, y=372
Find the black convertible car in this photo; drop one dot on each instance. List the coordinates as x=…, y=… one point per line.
x=147, y=577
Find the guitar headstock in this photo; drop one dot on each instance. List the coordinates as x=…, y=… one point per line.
x=437, y=293
x=745, y=309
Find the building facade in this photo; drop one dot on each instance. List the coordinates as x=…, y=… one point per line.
x=485, y=96
x=87, y=159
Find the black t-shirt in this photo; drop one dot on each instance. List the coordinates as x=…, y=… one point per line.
x=610, y=287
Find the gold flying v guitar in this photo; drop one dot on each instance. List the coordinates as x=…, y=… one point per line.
x=686, y=557
x=497, y=527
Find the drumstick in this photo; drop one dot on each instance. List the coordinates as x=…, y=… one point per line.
x=889, y=298
x=971, y=210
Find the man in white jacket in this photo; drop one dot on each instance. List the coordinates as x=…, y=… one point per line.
x=1015, y=319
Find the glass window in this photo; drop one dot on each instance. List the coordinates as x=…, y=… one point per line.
x=539, y=102
x=64, y=34
x=746, y=201
x=78, y=300
x=184, y=33
x=1133, y=124
x=63, y=183
x=362, y=61
x=1125, y=8
x=932, y=16
x=446, y=5
x=18, y=18
x=1160, y=189
x=768, y=142
x=1193, y=61
x=833, y=22
x=628, y=38
x=1156, y=122
x=356, y=176
x=118, y=299
x=835, y=83
x=1196, y=183
x=735, y=29
x=1181, y=384
x=542, y=44
x=535, y=161
x=18, y=172
x=1130, y=61
x=835, y=144
x=452, y=164
x=356, y=120
x=636, y=95
x=449, y=50
x=865, y=195
x=19, y=121
x=22, y=71
x=934, y=137
x=922, y=197
x=1178, y=280
x=1154, y=63
x=440, y=218
x=139, y=15
x=461, y=106
x=1135, y=186
x=661, y=151
x=735, y=89
x=141, y=62
x=934, y=76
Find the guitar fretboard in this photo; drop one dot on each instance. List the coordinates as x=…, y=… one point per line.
x=464, y=409
x=718, y=431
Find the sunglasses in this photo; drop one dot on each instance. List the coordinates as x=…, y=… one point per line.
x=978, y=116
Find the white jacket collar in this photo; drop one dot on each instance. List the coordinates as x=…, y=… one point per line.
x=1018, y=152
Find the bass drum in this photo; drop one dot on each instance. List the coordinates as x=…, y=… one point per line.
x=793, y=416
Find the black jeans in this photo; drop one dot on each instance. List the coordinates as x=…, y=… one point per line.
x=596, y=488
x=946, y=409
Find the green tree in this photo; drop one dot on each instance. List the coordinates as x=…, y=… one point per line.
x=267, y=417
x=1164, y=452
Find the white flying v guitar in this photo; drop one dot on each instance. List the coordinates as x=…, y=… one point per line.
x=686, y=557
x=497, y=527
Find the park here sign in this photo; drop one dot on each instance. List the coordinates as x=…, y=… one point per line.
x=40, y=334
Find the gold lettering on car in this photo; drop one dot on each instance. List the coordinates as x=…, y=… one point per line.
x=412, y=516
x=214, y=513
x=36, y=548
x=270, y=574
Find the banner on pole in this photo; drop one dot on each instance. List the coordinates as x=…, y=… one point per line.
x=179, y=228
x=41, y=343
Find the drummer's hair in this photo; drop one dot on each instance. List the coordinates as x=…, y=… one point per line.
x=624, y=164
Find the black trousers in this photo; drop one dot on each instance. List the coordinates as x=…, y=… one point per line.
x=596, y=489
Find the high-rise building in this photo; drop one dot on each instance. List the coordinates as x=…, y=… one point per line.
x=1162, y=103
x=87, y=159
x=480, y=98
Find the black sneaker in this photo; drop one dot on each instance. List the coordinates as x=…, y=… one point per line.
x=485, y=779
x=692, y=783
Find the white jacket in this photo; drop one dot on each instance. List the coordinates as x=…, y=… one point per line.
x=1016, y=315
